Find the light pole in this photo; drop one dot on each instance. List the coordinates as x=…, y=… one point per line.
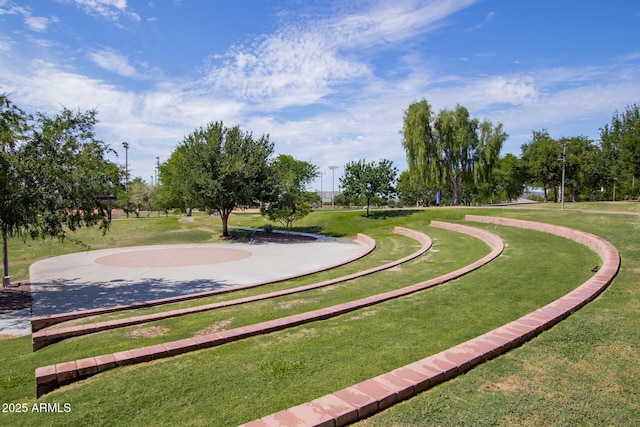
x=333, y=175
x=564, y=161
x=320, y=174
x=157, y=169
x=615, y=180
x=126, y=167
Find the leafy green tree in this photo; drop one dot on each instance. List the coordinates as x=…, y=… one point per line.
x=314, y=198
x=585, y=171
x=142, y=196
x=53, y=171
x=511, y=176
x=289, y=201
x=543, y=162
x=342, y=200
x=621, y=146
x=369, y=180
x=413, y=191
x=451, y=149
x=176, y=178
x=15, y=214
x=226, y=168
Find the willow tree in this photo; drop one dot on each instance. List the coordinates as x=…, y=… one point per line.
x=621, y=146
x=450, y=149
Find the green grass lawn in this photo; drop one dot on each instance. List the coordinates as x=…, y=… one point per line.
x=583, y=371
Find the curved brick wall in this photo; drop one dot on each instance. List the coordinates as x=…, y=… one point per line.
x=368, y=397
x=53, y=376
x=46, y=337
x=41, y=322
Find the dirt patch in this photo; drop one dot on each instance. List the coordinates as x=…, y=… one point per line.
x=7, y=337
x=362, y=314
x=511, y=384
x=14, y=298
x=153, y=331
x=288, y=304
x=222, y=325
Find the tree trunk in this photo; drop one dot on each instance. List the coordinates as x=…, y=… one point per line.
x=6, y=280
x=454, y=192
x=225, y=219
x=225, y=213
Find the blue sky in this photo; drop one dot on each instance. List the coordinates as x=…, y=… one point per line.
x=329, y=81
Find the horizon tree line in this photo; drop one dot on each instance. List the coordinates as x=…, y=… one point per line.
x=55, y=177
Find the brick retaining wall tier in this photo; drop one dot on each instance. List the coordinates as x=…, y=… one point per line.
x=45, y=337
x=364, y=399
x=51, y=377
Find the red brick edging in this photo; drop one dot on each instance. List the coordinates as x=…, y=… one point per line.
x=41, y=322
x=50, y=377
x=368, y=397
x=44, y=337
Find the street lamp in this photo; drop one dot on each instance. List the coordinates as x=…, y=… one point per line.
x=157, y=169
x=320, y=174
x=564, y=161
x=333, y=170
x=126, y=167
x=615, y=180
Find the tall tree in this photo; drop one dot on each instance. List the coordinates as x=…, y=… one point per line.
x=621, y=145
x=176, y=178
x=541, y=157
x=142, y=196
x=289, y=200
x=53, y=172
x=15, y=214
x=585, y=171
x=413, y=191
x=227, y=168
x=511, y=176
x=451, y=149
x=369, y=180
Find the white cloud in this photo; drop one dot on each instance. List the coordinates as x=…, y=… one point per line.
x=508, y=90
x=34, y=23
x=391, y=22
x=290, y=68
x=5, y=45
x=343, y=108
x=114, y=62
x=303, y=63
x=486, y=20
x=109, y=9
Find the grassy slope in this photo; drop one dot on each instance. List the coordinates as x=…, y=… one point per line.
x=237, y=382
x=584, y=371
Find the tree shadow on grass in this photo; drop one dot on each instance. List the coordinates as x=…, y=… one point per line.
x=314, y=229
x=391, y=213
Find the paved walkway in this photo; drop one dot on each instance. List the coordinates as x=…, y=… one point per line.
x=110, y=277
